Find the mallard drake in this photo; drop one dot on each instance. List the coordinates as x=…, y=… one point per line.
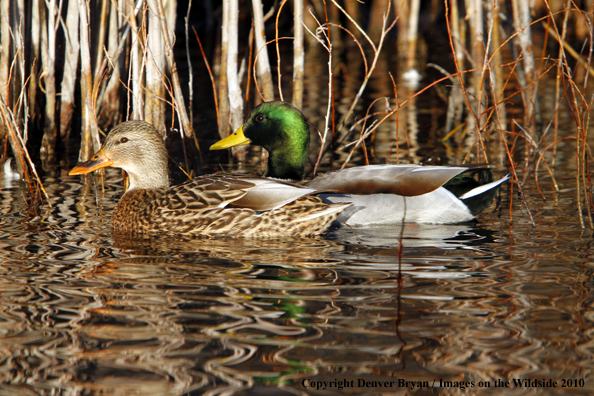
x=219, y=204
x=434, y=194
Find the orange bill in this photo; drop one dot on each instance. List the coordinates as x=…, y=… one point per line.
x=98, y=161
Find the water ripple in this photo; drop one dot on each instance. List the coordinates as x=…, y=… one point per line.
x=81, y=313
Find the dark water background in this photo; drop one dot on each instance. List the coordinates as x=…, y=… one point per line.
x=471, y=304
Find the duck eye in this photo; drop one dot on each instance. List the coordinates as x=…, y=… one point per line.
x=123, y=140
x=260, y=118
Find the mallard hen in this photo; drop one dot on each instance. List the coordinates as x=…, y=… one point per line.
x=434, y=194
x=220, y=204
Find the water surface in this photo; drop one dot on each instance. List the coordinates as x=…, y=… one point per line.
x=82, y=313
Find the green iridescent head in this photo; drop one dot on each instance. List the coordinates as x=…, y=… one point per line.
x=282, y=130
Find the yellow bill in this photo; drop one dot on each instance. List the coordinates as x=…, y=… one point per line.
x=98, y=161
x=237, y=138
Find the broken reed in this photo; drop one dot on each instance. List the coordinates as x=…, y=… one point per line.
x=122, y=56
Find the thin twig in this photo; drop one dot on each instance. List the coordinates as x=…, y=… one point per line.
x=212, y=79
x=328, y=46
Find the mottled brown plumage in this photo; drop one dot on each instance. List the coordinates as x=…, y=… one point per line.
x=221, y=205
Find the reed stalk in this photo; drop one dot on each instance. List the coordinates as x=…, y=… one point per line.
x=71, y=57
x=235, y=97
x=263, y=62
x=8, y=126
x=154, y=106
x=233, y=83
x=278, y=55
x=497, y=80
x=34, y=56
x=103, y=28
x=411, y=34
x=137, y=64
x=5, y=36
x=179, y=97
x=456, y=99
x=189, y=60
x=48, y=59
x=21, y=75
x=109, y=98
x=89, y=129
x=476, y=107
x=402, y=10
x=298, y=54
x=223, y=83
x=522, y=19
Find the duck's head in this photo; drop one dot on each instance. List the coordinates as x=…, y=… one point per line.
x=137, y=148
x=281, y=129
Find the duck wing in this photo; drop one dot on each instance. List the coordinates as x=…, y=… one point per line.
x=404, y=180
x=269, y=194
x=221, y=191
x=385, y=194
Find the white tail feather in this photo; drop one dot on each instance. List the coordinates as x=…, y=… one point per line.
x=485, y=187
